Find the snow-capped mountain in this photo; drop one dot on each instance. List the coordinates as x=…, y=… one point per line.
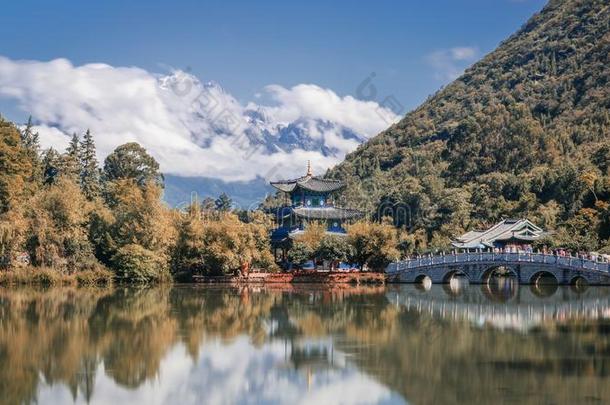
x=195, y=129
x=214, y=112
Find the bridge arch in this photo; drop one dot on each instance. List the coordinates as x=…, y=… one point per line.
x=451, y=274
x=498, y=270
x=455, y=282
x=579, y=283
x=423, y=281
x=543, y=277
x=543, y=283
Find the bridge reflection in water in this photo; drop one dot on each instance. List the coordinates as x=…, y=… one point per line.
x=503, y=303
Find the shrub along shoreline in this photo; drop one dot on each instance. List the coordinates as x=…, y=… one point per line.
x=51, y=277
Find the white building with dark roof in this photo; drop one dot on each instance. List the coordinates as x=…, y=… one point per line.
x=506, y=233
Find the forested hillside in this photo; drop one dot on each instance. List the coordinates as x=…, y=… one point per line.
x=525, y=132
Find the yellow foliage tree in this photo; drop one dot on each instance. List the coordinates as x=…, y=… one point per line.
x=312, y=235
x=374, y=244
x=137, y=217
x=221, y=244
x=12, y=235
x=57, y=234
x=16, y=168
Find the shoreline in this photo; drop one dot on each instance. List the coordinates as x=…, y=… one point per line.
x=102, y=277
x=298, y=277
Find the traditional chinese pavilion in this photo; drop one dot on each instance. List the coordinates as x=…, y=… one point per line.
x=511, y=234
x=308, y=199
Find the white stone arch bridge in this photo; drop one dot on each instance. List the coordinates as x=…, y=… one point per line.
x=527, y=268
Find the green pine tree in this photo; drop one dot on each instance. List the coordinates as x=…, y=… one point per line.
x=90, y=173
x=223, y=202
x=31, y=142
x=51, y=163
x=208, y=204
x=70, y=161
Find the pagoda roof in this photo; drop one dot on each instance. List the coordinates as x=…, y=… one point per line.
x=310, y=183
x=326, y=213
x=508, y=229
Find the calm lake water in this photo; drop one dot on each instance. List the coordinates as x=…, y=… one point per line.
x=305, y=344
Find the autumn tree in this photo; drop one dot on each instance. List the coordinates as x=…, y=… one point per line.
x=137, y=217
x=300, y=253
x=231, y=245
x=579, y=232
x=589, y=178
x=136, y=264
x=135, y=230
x=374, y=244
x=57, y=235
x=312, y=235
x=187, y=254
x=13, y=230
x=221, y=244
x=334, y=249
x=16, y=168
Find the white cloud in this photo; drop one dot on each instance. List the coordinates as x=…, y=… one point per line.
x=192, y=128
x=463, y=53
x=237, y=372
x=449, y=64
x=311, y=101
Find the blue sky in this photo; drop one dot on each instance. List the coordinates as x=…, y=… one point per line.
x=248, y=45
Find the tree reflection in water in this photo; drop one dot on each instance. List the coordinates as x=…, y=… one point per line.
x=493, y=343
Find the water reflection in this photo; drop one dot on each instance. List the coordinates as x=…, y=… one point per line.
x=447, y=344
x=503, y=303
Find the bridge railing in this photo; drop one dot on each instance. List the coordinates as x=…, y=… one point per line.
x=564, y=261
